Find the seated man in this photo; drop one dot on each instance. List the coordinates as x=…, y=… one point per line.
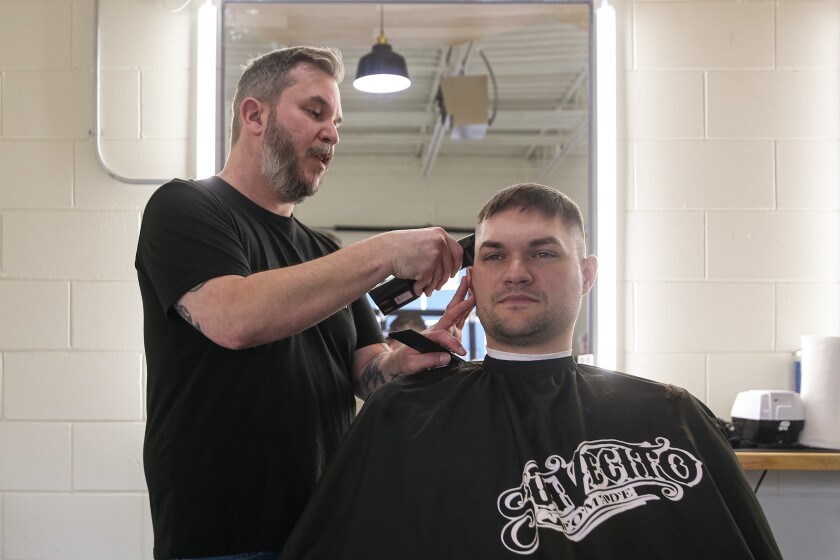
x=530, y=454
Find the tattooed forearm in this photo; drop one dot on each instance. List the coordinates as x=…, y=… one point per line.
x=185, y=313
x=372, y=377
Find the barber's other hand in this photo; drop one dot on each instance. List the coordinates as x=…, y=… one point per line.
x=429, y=256
x=457, y=311
x=447, y=331
x=411, y=361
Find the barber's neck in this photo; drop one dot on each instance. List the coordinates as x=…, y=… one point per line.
x=244, y=173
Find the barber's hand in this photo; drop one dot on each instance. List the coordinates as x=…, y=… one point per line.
x=447, y=331
x=429, y=256
x=411, y=361
x=457, y=311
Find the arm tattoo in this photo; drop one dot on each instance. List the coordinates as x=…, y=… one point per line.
x=185, y=313
x=372, y=376
x=198, y=286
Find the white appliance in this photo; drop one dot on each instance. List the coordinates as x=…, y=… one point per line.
x=768, y=417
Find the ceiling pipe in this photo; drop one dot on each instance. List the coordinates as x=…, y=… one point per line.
x=570, y=93
x=564, y=150
x=97, y=109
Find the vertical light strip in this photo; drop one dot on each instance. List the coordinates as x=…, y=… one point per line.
x=606, y=351
x=205, y=106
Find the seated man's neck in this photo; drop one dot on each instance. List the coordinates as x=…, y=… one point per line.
x=517, y=357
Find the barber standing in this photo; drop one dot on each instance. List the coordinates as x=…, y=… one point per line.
x=257, y=331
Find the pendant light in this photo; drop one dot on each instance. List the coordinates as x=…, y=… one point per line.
x=382, y=70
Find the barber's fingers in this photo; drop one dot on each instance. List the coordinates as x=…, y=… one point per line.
x=446, y=265
x=413, y=252
x=449, y=264
x=455, y=315
x=429, y=256
x=457, y=253
x=443, y=336
x=415, y=362
x=449, y=256
x=428, y=284
x=457, y=310
x=459, y=324
x=460, y=294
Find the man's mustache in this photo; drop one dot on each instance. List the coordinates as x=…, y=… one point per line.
x=322, y=151
x=508, y=293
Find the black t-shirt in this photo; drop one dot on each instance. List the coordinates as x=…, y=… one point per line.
x=235, y=439
x=545, y=459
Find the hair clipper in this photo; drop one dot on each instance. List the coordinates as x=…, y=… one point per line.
x=398, y=292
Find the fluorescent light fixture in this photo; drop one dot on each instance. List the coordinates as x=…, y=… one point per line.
x=606, y=348
x=205, y=106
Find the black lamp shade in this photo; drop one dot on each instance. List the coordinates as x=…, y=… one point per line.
x=382, y=71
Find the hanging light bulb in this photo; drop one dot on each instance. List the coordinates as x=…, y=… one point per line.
x=382, y=70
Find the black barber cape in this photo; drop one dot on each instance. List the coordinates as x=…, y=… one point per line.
x=545, y=459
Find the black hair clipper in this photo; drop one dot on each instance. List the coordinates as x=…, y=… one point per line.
x=395, y=293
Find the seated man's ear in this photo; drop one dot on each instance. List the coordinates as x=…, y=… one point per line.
x=589, y=269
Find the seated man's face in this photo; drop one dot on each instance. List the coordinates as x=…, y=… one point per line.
x=529, y=278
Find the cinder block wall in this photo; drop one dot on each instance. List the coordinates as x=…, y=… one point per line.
x=730, y=143
x=731, y=130
x=71, y=354
x=729, y=174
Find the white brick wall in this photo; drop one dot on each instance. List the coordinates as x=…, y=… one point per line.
x=730, y=121
x=70, y=243
x=22, y=162
x=72, y=373
x=107, y=457
x=45, y=304
x=807, y=173
x=731, y=138
x=77, y=385
x=74, y=526
x=703, y=35
x=36, y=456
x=780, y=103
x=704, y=174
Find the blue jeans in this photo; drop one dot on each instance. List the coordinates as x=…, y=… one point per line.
x=245, y=556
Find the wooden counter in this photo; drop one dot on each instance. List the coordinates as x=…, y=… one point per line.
x=775, y=460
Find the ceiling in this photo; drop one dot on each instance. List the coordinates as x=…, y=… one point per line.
x=536, y=57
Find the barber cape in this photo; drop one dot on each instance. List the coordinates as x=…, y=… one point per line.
x=541, y=459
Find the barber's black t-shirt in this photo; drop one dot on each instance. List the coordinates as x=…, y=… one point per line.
x=545, y=459
x=235, y=439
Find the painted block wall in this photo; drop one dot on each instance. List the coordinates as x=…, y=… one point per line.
x=729, y=143
x=729, y=176
x=71, y=353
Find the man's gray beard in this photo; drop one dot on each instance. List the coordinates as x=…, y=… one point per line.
x=281, y=167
